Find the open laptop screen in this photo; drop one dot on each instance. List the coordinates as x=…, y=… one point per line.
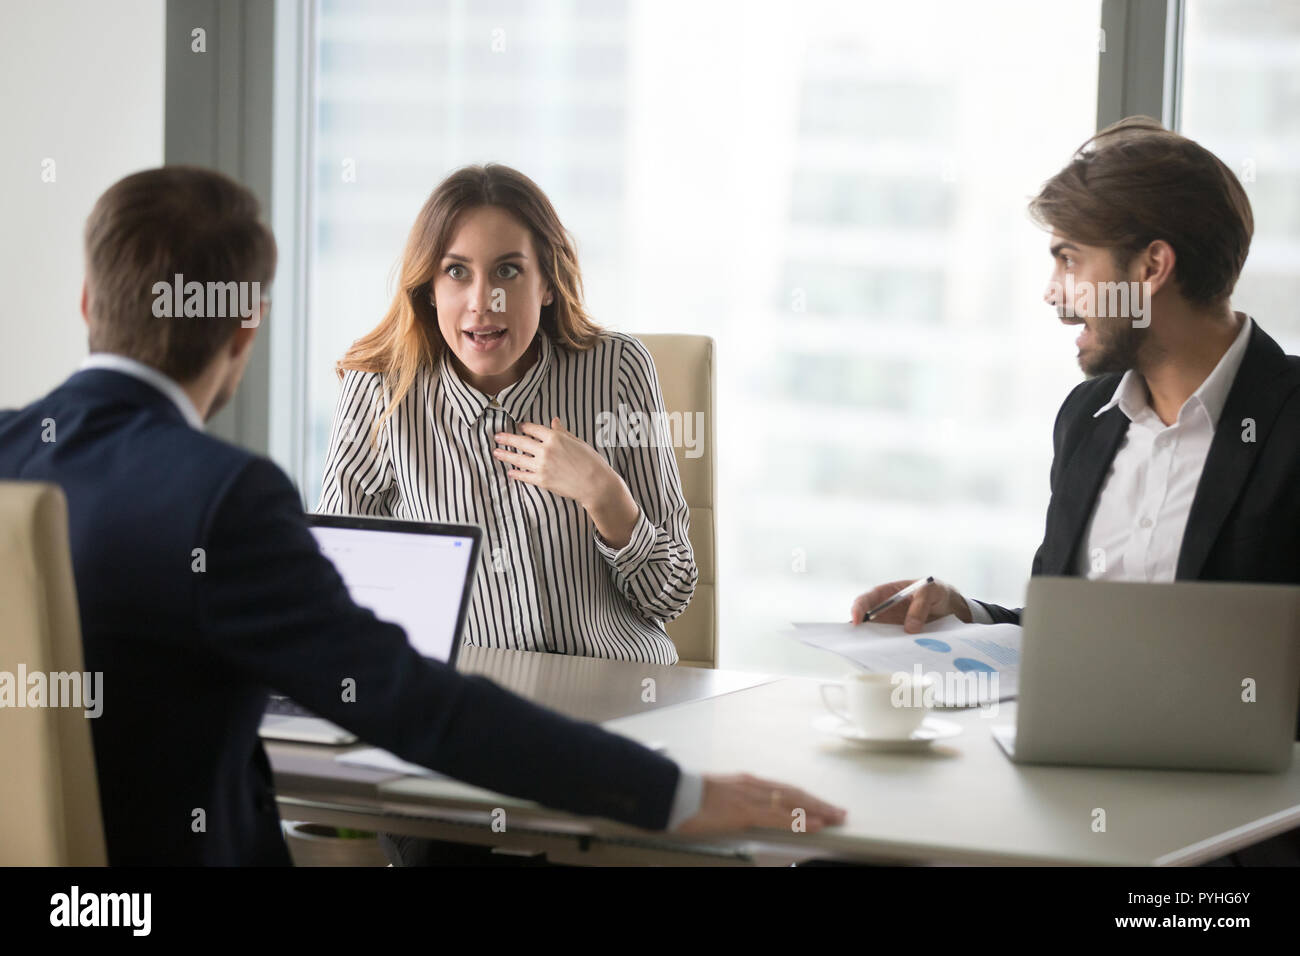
x=415, y=575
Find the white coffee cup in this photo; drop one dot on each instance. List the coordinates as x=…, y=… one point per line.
x=879, y=704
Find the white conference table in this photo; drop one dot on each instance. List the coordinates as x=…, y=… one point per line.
x=960, y=802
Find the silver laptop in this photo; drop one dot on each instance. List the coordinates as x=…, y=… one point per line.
x=1186, y=675
x=414, y=574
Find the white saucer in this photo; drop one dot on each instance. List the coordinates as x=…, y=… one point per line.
x=931, y=729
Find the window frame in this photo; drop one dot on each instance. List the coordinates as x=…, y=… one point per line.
x=246, y=108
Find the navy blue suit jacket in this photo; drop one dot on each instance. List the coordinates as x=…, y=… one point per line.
x=189, y=656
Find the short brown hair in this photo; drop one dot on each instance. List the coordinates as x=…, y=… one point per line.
x=152, y=226
x=1135, y=182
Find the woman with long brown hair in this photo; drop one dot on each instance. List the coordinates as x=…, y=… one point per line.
x=484, y=396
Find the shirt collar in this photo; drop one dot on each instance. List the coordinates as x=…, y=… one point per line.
x=516, y=400
x=1131, y=393
x=150, y=376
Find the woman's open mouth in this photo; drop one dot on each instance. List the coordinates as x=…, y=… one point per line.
x=485, y=339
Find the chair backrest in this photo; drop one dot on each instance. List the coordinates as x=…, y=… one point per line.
x=49, y=789
x=685, y=365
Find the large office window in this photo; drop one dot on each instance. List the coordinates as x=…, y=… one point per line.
x=835, y=191
x=1241, y=99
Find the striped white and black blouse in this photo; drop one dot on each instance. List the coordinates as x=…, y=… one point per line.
x=546, y=580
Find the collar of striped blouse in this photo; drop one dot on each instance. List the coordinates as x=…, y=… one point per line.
x=516, y=400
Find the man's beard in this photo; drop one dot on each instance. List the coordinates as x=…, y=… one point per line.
x=1117, y=348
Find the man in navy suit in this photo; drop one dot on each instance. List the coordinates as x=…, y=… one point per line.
x=201, y=589
x=1177, y=458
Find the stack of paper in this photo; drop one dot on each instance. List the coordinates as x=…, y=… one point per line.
x=973, y=663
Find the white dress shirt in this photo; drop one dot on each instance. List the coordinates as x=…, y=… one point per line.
x=1136, y=529
x=150, y=376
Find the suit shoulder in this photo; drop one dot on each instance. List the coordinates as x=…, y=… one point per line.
x=208, y=447
x=1290, y=385
x=1089, y=395
x=245, y=488
x=223, y=466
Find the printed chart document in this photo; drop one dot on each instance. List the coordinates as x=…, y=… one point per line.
x=965, y=658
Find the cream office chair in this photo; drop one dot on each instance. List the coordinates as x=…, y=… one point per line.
x=685, y=367
x=49, y=790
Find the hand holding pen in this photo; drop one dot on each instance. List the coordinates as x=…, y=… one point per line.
x=910, y=603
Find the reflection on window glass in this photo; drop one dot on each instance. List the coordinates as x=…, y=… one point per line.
x=1241, y=99
x=835, y=191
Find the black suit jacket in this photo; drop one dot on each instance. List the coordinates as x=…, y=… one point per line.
x=188, y=656
x=1244, y=524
